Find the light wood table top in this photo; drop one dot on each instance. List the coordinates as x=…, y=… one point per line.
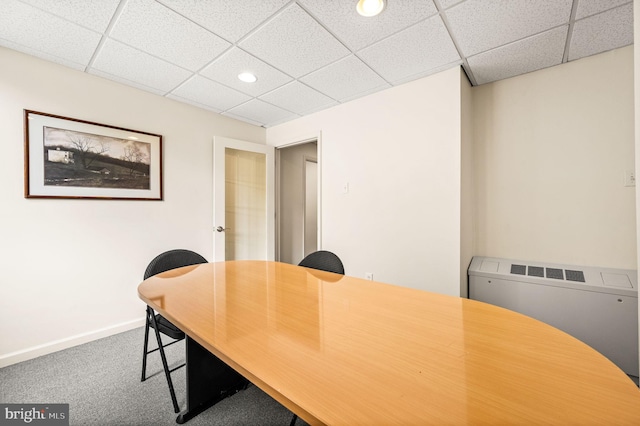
x=339, y=350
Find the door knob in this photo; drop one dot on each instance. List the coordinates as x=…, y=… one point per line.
x=221, y=229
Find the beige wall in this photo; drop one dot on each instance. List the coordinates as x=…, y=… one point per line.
x=550, y=151
x=70, y=268
x=399, y=151
x=536, y=164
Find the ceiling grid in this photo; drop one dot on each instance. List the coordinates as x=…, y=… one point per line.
x=307, y=54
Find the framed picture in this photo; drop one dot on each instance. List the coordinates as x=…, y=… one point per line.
x=70, y=158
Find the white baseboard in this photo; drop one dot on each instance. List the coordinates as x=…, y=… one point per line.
x=58, y=345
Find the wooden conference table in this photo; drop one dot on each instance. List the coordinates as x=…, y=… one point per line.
x=339, y=350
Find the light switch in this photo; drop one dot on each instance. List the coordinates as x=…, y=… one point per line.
x=345, y=188
x=629, y=178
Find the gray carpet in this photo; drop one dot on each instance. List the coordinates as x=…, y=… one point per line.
x=100, y=381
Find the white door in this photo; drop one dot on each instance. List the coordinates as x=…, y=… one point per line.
x=243, y=201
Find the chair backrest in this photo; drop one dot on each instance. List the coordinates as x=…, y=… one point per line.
x=172, y=259
x=324, y=261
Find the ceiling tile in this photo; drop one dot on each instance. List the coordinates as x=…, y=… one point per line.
x=37, y=31
x=356, y=31
x=226, y=68
x=523, y=56
x=117, y=59
x=210, y=93
x=192, y=102
x=230, y=19
x=599, y=33
x=445, y=4
x=414, y=51
x=94, y=15
x=591, y=7
x=245, y=119
x=153, y=28
x=294, y=43
x=261, y=112
x=298, y=98
x=42, y=55
x=481, y=25
x=345, y=79
x=126, y=82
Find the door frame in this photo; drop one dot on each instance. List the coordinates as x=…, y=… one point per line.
x=306, y=159
x=317, y=138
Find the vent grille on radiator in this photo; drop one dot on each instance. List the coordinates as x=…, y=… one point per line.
x=536, y=271
x=553, y=273
x=519, y=269
x=575, y=276
x=556, y=274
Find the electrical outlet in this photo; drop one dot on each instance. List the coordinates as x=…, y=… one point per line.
x=629, y=178
x=368, y=276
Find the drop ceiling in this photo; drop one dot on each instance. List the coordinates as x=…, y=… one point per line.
x=308, y=55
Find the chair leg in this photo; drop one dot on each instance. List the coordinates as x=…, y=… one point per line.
x=293, y=420
x=176, y=407
x=146, y=345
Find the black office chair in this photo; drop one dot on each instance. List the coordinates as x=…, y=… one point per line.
x=163, y=262
x=325, y=261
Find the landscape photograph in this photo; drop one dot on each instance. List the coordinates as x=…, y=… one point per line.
x=78, y=159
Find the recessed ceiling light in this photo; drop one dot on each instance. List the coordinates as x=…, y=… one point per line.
x=247, y=77
x=370, y=8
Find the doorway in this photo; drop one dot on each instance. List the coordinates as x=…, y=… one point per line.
x=297, y=201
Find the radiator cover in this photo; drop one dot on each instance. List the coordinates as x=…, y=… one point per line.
x=596, y=305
